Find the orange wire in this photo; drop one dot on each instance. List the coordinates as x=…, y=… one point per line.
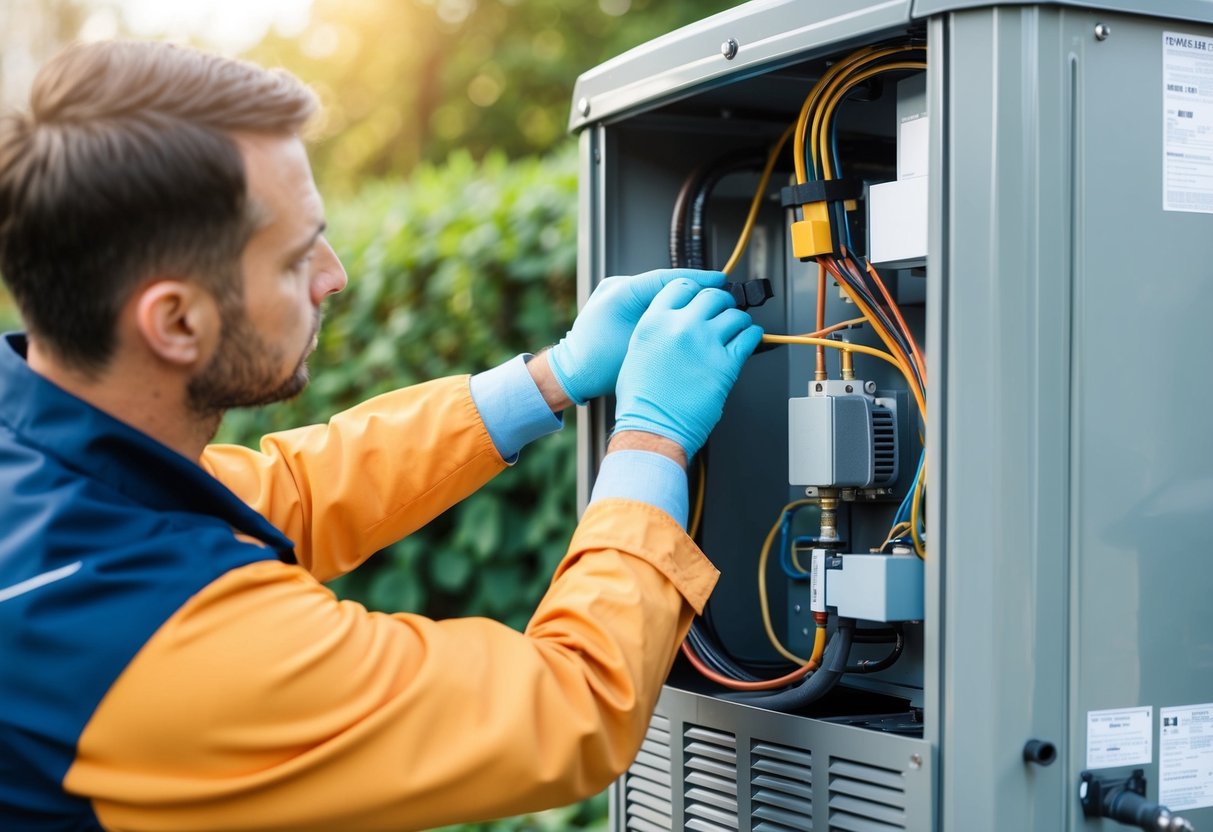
x=821, y=320
x=735, y=684
x=922, y=365
x=821, y=333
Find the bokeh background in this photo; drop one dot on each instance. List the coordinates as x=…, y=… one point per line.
x=451, y=197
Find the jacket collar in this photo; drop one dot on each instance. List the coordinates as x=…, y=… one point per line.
x=96, y=445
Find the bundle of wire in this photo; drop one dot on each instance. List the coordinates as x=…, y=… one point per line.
x=816, y=159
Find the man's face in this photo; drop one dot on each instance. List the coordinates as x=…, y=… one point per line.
x=271, y=323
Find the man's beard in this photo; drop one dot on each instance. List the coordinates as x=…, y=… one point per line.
x=244, y=371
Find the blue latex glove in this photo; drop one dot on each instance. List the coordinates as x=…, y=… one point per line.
x=587, y=360
x=682, y=362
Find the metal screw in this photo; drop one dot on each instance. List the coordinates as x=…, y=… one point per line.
x=869, y=387
x=915, y=761
x=1102, y=31
x=729, y=49
x=597, y=156
x=850, y=389
x=819, y=388
x=796, y=608
x=804, y=631
x=583, y=106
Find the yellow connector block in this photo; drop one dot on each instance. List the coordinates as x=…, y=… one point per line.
x=811, y=236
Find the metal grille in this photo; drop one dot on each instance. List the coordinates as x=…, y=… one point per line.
x=884, y=446
x=647, y=790
x=711, y=780
x=866, y=798
x=782, y=782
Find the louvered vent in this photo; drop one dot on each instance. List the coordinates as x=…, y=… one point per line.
x=711, y=780
x=866, y=798
x=782, y=782
x=884, y=446
x=647, y=794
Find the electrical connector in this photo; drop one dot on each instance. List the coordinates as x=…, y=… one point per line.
x=751, y=293
x=814, y=234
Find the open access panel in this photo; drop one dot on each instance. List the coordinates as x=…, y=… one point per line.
x=972, y=537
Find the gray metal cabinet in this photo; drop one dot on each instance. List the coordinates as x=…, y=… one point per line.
x=1065, y=313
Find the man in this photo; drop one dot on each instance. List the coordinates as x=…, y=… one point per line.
x=169, y=658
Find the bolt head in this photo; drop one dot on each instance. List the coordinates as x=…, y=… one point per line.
x=583, y=106
x=729, y=49
x=915, y=761
x=1102, y=31
x=869, y=386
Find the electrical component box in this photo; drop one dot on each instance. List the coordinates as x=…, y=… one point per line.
x=897, y=210
x=840, y=436
x=876, y=587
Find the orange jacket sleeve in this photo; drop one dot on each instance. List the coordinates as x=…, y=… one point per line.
x=372, y=475
x=266, y=704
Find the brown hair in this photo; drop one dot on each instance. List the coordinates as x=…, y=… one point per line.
x=124, y=167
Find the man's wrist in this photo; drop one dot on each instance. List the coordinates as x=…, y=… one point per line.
x=549, y=386
x=639, y=440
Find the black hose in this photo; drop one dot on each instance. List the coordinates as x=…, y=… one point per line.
x=696, y=251
x=678, y=220
x=817, y=684
x=869, y=666
x=716, y=658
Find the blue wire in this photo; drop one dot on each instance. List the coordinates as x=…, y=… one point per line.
x=785, y=559
x=846, y=226
x=903, y=511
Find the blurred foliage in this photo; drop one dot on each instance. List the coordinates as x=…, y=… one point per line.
x=589, y=815
x=9, y=319
x=405, y=81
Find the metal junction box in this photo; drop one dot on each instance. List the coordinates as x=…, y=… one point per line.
x=1063, y=310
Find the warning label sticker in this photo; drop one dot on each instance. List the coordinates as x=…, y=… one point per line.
x=1121, y=737
x=1185, y=757
x=1187, y=119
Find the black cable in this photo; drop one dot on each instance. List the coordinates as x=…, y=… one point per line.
x=869, y=666
x=717, y=659
x=696, y=251
x=816, y=684
x=678, y=220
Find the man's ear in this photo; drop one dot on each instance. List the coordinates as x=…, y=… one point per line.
x=178, y=321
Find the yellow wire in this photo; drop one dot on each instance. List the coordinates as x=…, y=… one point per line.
x=762, y=585
x=915, y=511
x=802, y=120
x=832, y=103
x=852, y=61
x=895, y=356
x=900, y=528
x=849, y=347
x=796, y=562
x=700, y=489
x=756, y=202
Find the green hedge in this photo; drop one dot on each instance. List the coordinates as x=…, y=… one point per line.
x=456, y=270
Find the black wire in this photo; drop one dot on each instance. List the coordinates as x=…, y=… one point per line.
x=868, y=666
x=854, y=277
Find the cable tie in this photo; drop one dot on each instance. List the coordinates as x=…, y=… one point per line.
x=821, y=190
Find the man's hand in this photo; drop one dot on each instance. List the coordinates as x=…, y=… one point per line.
x=586, y=362
x=683, y=360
